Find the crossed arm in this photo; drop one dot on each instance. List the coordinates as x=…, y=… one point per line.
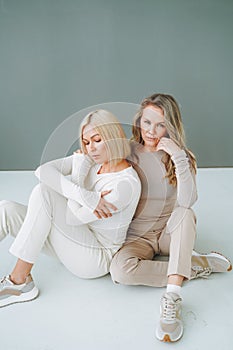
x=54, y=174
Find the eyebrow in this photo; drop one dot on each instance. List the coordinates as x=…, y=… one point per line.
x=91, y=137
x=150, y=120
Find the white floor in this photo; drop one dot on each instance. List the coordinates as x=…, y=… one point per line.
x=97, y=315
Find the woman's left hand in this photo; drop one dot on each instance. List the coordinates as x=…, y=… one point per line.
x=167, y=145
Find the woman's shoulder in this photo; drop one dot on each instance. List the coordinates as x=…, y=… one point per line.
x=78, y=156
x=135, y=149
x=126, y=182
x=128, y=176
x=135, y=146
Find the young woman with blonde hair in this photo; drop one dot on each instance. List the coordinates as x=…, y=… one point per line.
x=63, y=214
x=164, y=223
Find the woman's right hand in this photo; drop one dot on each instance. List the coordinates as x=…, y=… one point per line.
x=102, y=209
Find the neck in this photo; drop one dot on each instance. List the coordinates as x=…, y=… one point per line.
x=149, y=149
x=110, y=168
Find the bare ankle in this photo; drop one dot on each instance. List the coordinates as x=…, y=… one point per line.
x=17, y=279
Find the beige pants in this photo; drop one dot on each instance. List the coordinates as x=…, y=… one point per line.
x=42, y=225
x=135, y=262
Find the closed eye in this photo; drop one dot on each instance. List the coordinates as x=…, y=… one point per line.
x=86, y=143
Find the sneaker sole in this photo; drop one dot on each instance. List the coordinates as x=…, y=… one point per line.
x=230, y=265
x=214, y=254
x=167, y=339
x=33, y=294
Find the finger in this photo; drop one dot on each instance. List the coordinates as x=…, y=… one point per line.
x=105, y=210
x=160, y=148
x=164, y=140
x=97, y=214
x=161, y=143
x=111, y=206
x=108, y=214
x=104, y=193
x=102, y=213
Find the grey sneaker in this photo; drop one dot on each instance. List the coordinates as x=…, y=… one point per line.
x=170, y=328
x=11, y=293
x=204, y=264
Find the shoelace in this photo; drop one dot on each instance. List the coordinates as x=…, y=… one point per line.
x=169, y=310
x=204, y=273
x=3, y=281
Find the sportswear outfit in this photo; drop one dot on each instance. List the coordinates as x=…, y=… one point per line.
x=164, y=223
x=83, y=243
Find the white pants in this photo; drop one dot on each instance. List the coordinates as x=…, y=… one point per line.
x=42, y=225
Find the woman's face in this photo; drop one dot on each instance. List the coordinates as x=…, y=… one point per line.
x=152, y=126
x=94, y=144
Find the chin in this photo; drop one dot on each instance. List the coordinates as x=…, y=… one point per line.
x=150, y=143
x=97, y=161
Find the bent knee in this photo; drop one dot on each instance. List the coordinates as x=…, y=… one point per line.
x=43, y=192
x=180, y=216
x=183, y=211
x=10, y=206
x=40, y=188
x=188, y=214
x=122, y=268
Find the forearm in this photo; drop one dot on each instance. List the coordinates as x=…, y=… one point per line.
x=54, y=173
x=186, y=184
x=123, y=194
x=81, y=167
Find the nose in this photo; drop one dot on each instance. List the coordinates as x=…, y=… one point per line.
x=92, y=146
x=152, y=129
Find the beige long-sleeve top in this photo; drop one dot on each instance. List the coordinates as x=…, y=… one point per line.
x=158, y=197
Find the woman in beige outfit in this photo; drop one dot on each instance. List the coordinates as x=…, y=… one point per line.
x=164, y=223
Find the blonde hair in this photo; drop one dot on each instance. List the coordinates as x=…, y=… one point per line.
x=174, y=126
x=111, y=132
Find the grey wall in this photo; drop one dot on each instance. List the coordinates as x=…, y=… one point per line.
x=58, y=57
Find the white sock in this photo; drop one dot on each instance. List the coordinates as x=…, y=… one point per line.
x=174, y=289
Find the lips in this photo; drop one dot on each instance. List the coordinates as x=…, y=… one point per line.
x=152, y=138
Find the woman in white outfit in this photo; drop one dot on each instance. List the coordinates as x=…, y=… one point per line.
x=81, y=220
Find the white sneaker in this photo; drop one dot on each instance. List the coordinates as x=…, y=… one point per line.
x=11, y=293
x=170, y=328
x=204, y=264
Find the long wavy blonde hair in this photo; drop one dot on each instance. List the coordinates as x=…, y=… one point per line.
x=174, y=126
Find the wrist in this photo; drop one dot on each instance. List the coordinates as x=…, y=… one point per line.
x=178, y=155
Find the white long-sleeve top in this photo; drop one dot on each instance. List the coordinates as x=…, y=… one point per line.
x=158, y=197
x=125, y=186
